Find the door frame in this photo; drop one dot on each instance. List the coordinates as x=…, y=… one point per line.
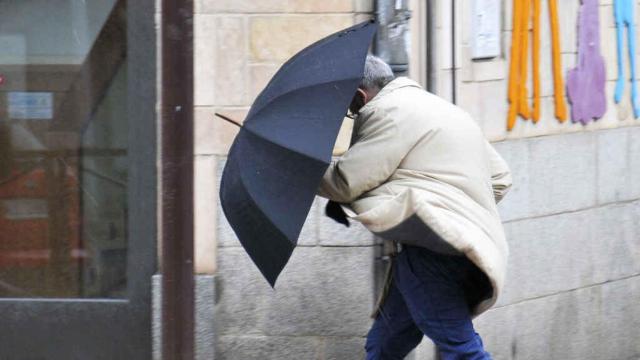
x=46, y=329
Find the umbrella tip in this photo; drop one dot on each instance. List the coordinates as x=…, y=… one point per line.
x=272, y=281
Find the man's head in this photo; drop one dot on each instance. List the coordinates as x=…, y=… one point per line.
x=377, y=74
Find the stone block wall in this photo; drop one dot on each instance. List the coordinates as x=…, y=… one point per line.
x=320, y=307
x=239, y=45
x=571, y=217
x=574, y=267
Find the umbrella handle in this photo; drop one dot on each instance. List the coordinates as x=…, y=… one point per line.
x=229, y=120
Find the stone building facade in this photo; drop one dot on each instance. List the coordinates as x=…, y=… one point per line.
x=571, y=218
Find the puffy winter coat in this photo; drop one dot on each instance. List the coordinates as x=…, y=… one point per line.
x=417, y=159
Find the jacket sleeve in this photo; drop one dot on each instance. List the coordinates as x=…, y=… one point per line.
x=369, y=162
x=501, y=180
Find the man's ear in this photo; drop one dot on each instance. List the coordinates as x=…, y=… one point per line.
x=359, y=99
x=365, y=96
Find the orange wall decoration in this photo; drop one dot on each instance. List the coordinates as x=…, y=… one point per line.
x=526, y=12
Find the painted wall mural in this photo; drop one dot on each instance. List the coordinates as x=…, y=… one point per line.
x=525, y=11
x=586, y=82
x=623, y=11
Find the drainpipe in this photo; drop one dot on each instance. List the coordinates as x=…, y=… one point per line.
x=393, y=38
x=454, y=92
x=431, y=36
x=177, y=180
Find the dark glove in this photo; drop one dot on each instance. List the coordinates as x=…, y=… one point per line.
x=334, y=211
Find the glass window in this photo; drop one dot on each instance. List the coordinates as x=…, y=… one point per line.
x=63, y=149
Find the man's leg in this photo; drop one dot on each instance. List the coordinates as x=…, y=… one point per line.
x=432, y=286
x=393, y=334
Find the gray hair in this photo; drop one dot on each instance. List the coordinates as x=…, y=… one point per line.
x=377, y=74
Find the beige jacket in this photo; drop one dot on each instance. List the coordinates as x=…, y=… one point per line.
x=415, y=154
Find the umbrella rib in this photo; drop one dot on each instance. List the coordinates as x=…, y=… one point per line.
x=244, y=183
x=248, y=122
x=275, y=229
x=270, y=140
x=252, y=114
x=258, y=205
x=255, y=203
x=253, y=132
x=319, y=45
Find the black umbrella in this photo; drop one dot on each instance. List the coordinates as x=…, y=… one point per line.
x=278, y=158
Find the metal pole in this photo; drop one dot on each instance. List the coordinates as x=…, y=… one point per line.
x=454, y=80
x=177, y=180
x=431, y=36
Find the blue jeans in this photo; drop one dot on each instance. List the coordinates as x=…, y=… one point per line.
x=430, y=294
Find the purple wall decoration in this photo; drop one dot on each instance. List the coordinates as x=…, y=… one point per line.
x=586, y=82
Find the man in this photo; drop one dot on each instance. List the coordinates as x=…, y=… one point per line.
x=420, y=172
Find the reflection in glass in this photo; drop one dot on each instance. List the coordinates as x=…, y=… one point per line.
x=63, y=149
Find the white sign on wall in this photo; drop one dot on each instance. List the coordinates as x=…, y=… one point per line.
x=30, y=105
x=485, y=32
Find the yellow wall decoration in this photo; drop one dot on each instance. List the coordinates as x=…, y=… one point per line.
x=518, y=73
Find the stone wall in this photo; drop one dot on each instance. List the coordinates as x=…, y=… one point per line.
x=239, y=45
x=571, y=218
x=574, y=267
x=321, y=305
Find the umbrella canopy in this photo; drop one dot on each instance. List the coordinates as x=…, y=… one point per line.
x=278, y=158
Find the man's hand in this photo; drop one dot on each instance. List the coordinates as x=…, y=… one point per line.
x=334, y=211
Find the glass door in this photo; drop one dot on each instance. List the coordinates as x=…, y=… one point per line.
x=77, y=179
